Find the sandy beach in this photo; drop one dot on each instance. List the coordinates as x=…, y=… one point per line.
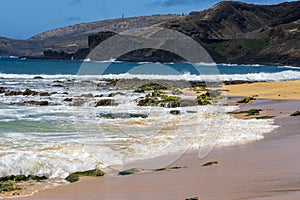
x=285, y=90
x=261, y=170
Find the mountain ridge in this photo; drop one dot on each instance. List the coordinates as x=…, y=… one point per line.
x=230, y=31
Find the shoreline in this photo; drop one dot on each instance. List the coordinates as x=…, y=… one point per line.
x=243, y=171
x=192, y=179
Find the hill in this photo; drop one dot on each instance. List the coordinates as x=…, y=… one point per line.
x=71, y=38
x=232, y=32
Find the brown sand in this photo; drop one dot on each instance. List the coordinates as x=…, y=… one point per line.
x=263, y=170
x=271, y=90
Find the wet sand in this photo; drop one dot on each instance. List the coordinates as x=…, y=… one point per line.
x=261, y=170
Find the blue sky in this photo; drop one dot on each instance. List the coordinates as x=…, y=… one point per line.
x=24, y=18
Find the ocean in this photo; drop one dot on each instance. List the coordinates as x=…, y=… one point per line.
x=72, y=134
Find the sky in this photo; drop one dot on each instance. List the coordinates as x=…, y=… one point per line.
x=21, y=19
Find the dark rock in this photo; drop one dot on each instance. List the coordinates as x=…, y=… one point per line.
x=37, y=178
x=2, y=90
x=130, y=171
x=192, y=198
x=89, y=95
x=57, y=81
x=175, y=112
x=264, y=117
x=106, y=102
x=28, y=92
x=13, y=93
x=57, y=85
x=38, y=77
x=148, y=101
x=247, y=112
x=99, y=95
x=210, y=163
x=38, y=103
x=53, y=93
x=115, y=94
x=122, y=115
x=44, y=94
x=296, y=113
x=246, y=100
x=66, y=93
x=72, y=178
x=68, y=99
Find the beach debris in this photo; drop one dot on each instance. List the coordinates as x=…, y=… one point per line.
x=246, y=100
x=210, y=163
x=296, y=113
x=106, y=102
x=74, y=177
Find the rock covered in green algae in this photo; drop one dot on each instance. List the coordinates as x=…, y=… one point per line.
x=296, y=113
x=246, y=100
x=8, y=183
x=74, y=177
x=210, y=163
x=7, y=186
